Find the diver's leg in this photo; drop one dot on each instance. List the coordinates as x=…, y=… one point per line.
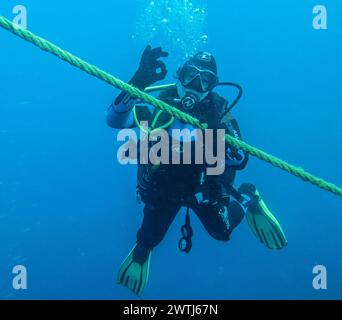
x=161, y=207
x=158, y=216
x=157, y=219
x=213, y=205
x=220, y=220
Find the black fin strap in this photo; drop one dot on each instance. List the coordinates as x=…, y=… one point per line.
x=236, y=194
x=185, y=243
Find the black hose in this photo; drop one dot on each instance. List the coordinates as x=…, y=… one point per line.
x=237, y=99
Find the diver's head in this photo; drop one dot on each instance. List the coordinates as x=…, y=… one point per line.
x=197, y=78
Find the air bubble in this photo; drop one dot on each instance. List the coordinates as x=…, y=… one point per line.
x=179, y=25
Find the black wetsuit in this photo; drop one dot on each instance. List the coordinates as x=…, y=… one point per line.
x=169, y=188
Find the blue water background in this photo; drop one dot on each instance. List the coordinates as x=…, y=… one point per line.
x=67, y=208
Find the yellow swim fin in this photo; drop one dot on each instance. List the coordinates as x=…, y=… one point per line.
x=261, y=221
x=134, y=271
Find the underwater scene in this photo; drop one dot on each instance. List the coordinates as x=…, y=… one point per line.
x=171, y=149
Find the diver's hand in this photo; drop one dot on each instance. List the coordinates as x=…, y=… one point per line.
x=233, y=154
x=151, y=68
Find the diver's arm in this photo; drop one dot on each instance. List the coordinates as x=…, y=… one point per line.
x=236, y=159
x=119, y=114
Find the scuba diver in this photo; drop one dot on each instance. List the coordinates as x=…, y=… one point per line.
x=165, y=188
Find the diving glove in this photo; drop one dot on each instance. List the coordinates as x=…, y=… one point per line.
x=150, y=64
x=260, y=219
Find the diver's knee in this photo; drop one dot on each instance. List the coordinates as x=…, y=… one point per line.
x=221, y=236
x=150, y=240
